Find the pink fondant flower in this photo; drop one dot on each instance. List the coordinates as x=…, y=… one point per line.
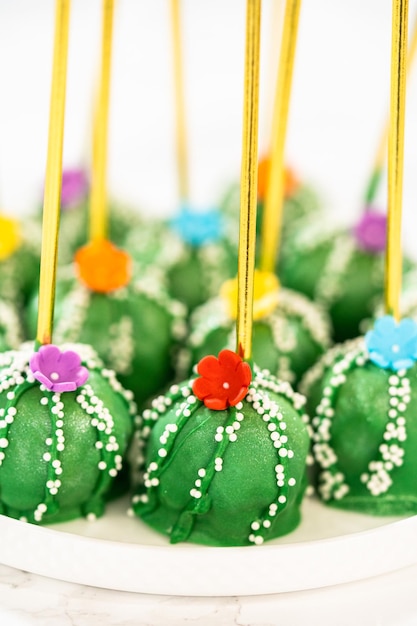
x=58, y=371
x=371, y=231
x=74, y=187
x=224, y=380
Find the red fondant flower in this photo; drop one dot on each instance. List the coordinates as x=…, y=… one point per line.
x=103, y=267
x=224, y=380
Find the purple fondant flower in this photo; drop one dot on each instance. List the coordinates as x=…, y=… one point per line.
x=198, y=228
x=371, y=231
x=74, y=187
x=391, y=344
x=58, y=371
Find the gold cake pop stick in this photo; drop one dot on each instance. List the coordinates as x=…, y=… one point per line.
x=393, y=261
x=275, y=38
x=180, y=125
x=52, y=193
x=248, y=185
x=98, y=198
x=274, y=199
x=381, y=152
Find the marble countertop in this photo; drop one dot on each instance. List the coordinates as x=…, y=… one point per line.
x=27, y=599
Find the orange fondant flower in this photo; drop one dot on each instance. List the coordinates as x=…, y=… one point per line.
x=291, y=182
x=265, y=294
x=102, y=266
x=223, y=381
x=10, y=238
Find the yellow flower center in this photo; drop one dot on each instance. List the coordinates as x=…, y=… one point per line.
x=10, y=238
x=265, y=294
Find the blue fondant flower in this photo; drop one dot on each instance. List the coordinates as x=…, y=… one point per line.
x=198, y=228
x=391, y=344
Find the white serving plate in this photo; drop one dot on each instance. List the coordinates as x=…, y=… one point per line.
x=120, y=552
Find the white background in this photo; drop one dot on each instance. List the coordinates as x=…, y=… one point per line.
x=339, y=102
x=339, y=105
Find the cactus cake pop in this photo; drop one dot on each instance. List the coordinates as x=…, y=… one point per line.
x=192, y=253
x=225, y=452
x=74, y=215
x=362, y=397
x=193, y=249
x=341, y=269
x=362, y=419
x=302, y=204
x=220, y=471
x=134, y=324
x=60, y=450
x=65, y=421
x=289, y=331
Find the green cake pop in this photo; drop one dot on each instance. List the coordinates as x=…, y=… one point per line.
x=339, y=269
x=60, y=450
x=362, y=395
x=74, y=217
x=302, y=203
x=362, y=413
x=193, y=254
x=225, y=453
x=233, y=476
x=289, y=331
x=134, y=325
x=65, y=421
x=192, y=250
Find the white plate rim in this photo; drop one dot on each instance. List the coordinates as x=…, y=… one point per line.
x=191, y=570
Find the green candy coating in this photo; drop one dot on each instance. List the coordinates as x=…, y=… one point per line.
x=135, y=331
x=191, y=274
x=224, y=478
x=301, y=205
x=364, y=432
x=74, y=227
x=286, y=342
x=19, y=273
x=60, y=452
x=328, y=267
x=11, y=333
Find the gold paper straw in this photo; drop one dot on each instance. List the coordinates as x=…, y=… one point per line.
x=180, y=125
x=53, y=177
x=381, y=152
x=98, y=198
x=248, y=185
x=274, y=199
x=393, y=262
